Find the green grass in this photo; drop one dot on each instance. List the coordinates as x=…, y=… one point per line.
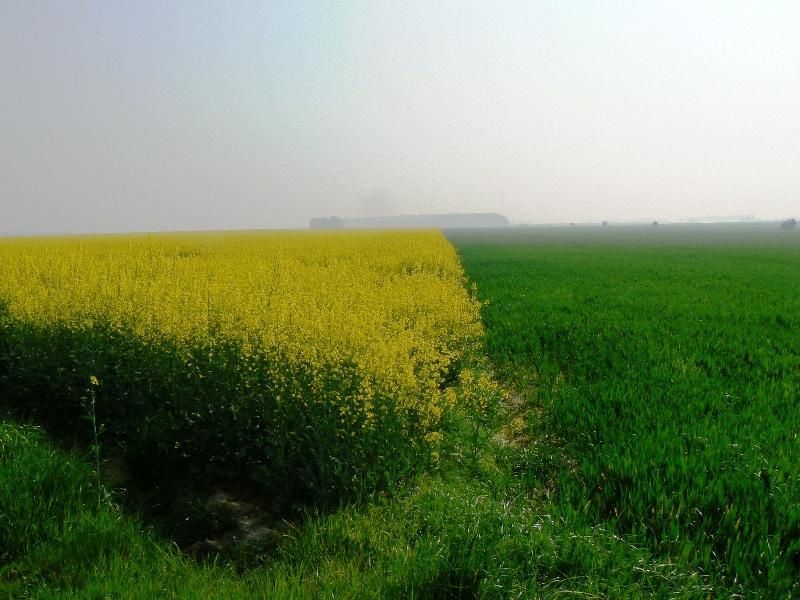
x=667, y=375
x=470, y=530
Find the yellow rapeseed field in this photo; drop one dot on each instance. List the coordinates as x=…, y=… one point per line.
x=391, y=304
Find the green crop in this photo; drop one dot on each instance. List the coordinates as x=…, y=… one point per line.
x=668, y=372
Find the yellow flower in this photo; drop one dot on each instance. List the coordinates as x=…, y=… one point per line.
x=392, y=306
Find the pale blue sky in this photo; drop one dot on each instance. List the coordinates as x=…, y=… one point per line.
x=160, y=115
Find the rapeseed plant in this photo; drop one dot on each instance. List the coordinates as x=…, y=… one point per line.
x=309, y=340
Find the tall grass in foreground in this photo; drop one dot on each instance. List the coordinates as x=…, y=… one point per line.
x=665, y=379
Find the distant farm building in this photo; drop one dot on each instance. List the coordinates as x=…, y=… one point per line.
x=326, y=223
x=438, y=221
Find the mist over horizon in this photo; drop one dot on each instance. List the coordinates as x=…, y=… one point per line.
x=200, y=115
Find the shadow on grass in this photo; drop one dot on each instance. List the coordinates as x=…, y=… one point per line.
x=189, y=420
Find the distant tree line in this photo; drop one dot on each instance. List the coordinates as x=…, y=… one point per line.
x=450, y=220
x=326, y=223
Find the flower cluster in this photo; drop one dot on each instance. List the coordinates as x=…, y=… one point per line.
x=391, y=306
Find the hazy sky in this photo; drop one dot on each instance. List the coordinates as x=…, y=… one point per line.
x=145, y=115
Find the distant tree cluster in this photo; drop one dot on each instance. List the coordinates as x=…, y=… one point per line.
x=789, y=225
x=326, y=223
x=424, y=221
